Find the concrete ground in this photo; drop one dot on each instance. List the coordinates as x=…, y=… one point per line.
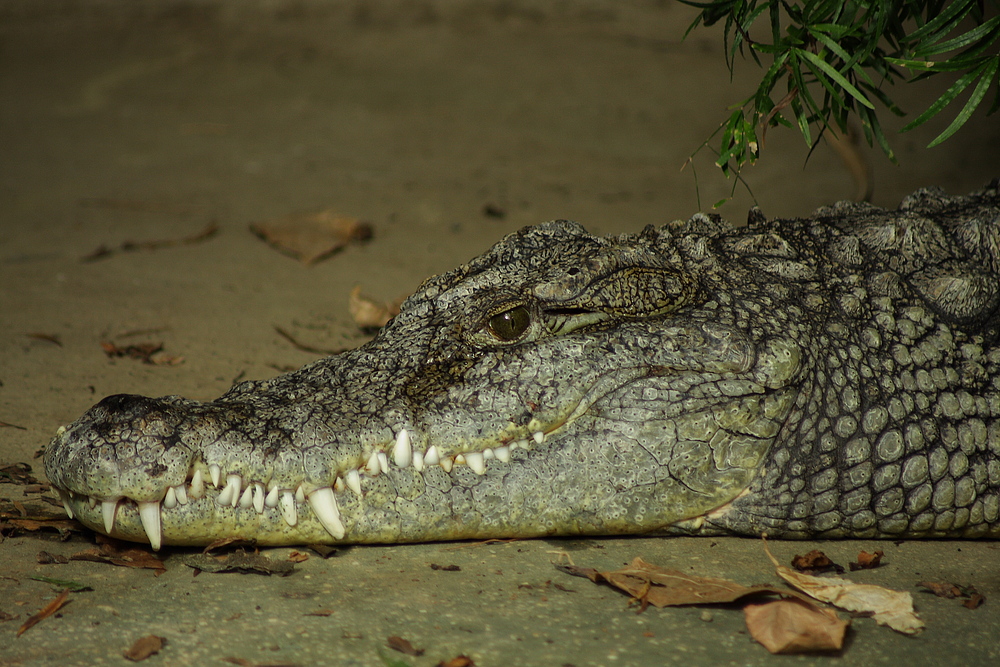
x=143, y=121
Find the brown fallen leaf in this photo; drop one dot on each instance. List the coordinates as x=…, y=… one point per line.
x=46, y=558
x=975, y=601
x=888, y=607
x=16, y=473
x=403, y=646
x=369, y=313
x=815, y=562
x=239, y=561
x=48, y=338
x=867, y=561
x=310, y=237
x=457, y=661
x=102, y=252
x=122, y=554
x=144, y=647
x=227, y=542
x=323, y=550
x=58, y=603
x=446, y=568
x=661, y=587
x=4, y=617
x=298, y=557
x=974, y=598
x=321, y=612
x=147, y=353
x=792, y=625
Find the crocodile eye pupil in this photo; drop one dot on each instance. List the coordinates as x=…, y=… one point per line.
x=510, y=324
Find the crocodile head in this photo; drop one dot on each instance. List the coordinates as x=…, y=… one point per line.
x=558, y=384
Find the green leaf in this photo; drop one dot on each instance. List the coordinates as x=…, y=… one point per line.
x=836, y=76
x=942, y=23
x=962, y=40
x=74, y=586
x=943, y=101
x=988, y=72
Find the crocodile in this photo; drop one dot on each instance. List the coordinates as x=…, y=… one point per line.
x=828, y=377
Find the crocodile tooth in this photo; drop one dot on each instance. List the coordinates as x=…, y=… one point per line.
x=383, y=461
x=288, y=508
x=231, y=494
x=246, y=500
x=338, y=484
x=60, y=431
x=197, y=484
x=170, y=500
x=418, y=461
x=65, y=501
x=539, y=437
x=487, y=454
x=149, y=515
x=92, y=501
x=475, y=461
x=353, y=480
x=324, y=505
x=402, y=453
x=216, y=474
x=502, y=454
x=373, y=465
x=431, y=456
x=108, y=509
x=181, y=493
x=460, y=459
x=272, y=497
x=258, y=497
x=523, y=444
x=446, y=463
x=300, y=495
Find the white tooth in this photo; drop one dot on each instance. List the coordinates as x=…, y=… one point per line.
x=539, y=437
x=108, y=509
x=149, y=515
x=324, y=504
x=446, y=463
x=431, y=456
x=246, y=500
x=231, y=494
x=402, y=453
x=502, y=454
x=258, y=497
x=216, y=473
x=288, y=508
x=272, y=497
x=60, y=431
x=383, y=461
x=487, y=454
x=373, y=465
x=197, y=484
x=338, y=485
x=300, y=495
x=475, y=461
x=418, y=461
x=182, y=496
x=170, y=500
x=64, y=496
x=523, y=444
x=460, y=459
x=353, y=480
x=92, y=502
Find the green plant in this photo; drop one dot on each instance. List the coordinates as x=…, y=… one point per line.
x=836, y=58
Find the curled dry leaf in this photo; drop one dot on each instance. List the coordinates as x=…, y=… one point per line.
x=239, y=561
x=114, y=552
x=457, y=661
x=815, y=562
x=867, y=561
x=310, y=237
x=144, y=647
x=888, y=607
x=662, y=587
x=369, y=313
x=795, y=626
x=46, y=611
x=403, y=646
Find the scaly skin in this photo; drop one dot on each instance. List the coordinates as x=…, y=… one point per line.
x=837, y=376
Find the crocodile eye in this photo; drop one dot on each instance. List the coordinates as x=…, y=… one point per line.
x=510, y=324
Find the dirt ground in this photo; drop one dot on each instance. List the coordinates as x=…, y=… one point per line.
x=446, y=125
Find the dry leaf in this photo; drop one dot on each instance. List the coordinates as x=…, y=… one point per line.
x=815, y=562
x=147, y=353
x=458, y=661
x=145, y=647
x=298, y=557
x=102, y=252
x=867, y=561
x=661, y=587
x=795, y=626
x=239, y=561
x=114, y=552
x=888, y=607
x=323, y=550
x=310, y=237
x=403, y=646
x=16, y=473
x=951, y=591
x=46, y=611
x=369, y=313
x=975, y=601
